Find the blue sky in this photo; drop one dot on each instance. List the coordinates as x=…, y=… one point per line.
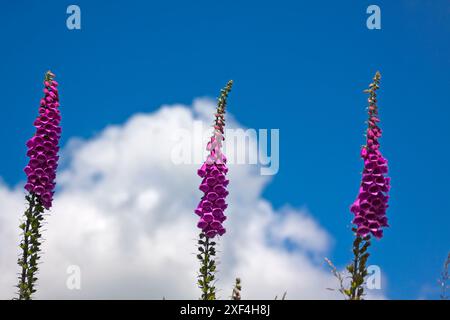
x=299, y=67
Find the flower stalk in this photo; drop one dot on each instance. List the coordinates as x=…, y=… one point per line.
x=41, y=173
x=30, y=246
x=206, y=277
x=370, y=207
x=212, y=205
x=358, y=268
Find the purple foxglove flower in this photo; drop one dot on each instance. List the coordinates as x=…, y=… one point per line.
x=43, y=146
x=41, y=173
x=370, y=206
x=214, y=184
x=212, y=205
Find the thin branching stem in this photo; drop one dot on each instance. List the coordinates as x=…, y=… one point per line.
x=236, y=295
x=443, y=281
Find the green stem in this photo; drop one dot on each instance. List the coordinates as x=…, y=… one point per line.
x=30, y=246
x=23, y=289
x=207, y=267
x=358, y=268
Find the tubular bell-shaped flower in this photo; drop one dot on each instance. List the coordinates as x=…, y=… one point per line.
x=41, y=173
x=212, y=205
x=370, y=206
x=43, y=146
x=213, y=171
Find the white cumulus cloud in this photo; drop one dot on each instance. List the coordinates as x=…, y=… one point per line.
x=124, y=214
